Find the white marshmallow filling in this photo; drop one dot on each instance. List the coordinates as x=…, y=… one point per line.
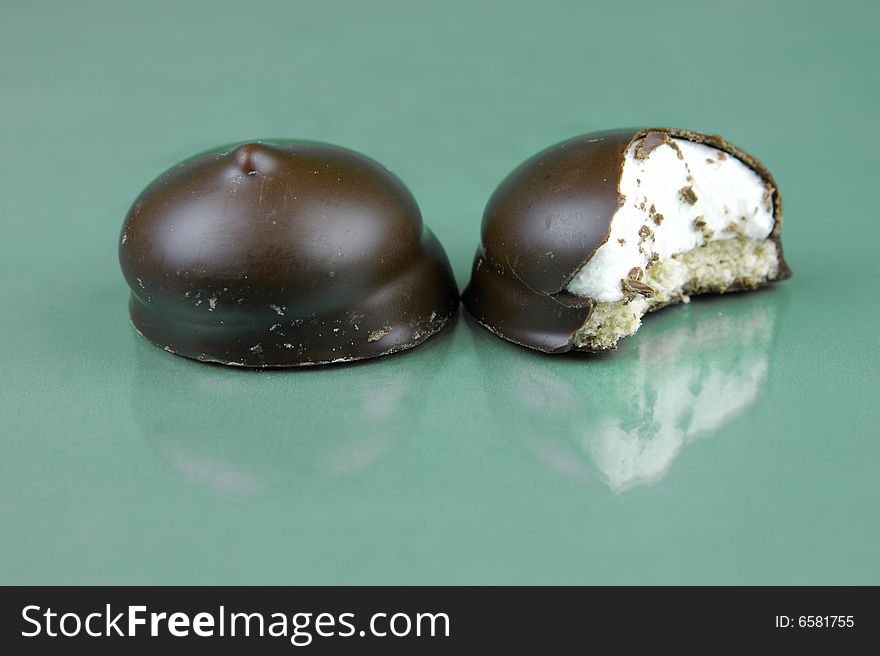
x=694, y=219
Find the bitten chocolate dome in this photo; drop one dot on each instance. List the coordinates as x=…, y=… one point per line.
x=584, y=238
x=283, y=253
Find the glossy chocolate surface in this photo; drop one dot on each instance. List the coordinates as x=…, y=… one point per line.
x=282, y=253
x=545, y=221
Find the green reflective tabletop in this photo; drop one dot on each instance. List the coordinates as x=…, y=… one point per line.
x=733, y=440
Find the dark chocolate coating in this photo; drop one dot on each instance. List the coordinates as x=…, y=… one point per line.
x=545, y=221
x=283, y=253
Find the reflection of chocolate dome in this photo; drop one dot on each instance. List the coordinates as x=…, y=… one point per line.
x=689, y=375
x=243, y=433
x=283, y=253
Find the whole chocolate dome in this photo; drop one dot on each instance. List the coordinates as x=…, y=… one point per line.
x=282, y=253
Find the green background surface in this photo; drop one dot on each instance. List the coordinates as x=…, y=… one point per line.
x=731, y=441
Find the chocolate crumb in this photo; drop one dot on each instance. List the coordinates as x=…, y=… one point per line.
x=709, y=160
x=645, y=233
x=677, y=150
x=622, y=242
x=687, y=195
x=642, y=288
x=734, y=228
x=632, y=284
x=658, y=218
x=652, y=140
x=722, y=156
x=768, y=198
